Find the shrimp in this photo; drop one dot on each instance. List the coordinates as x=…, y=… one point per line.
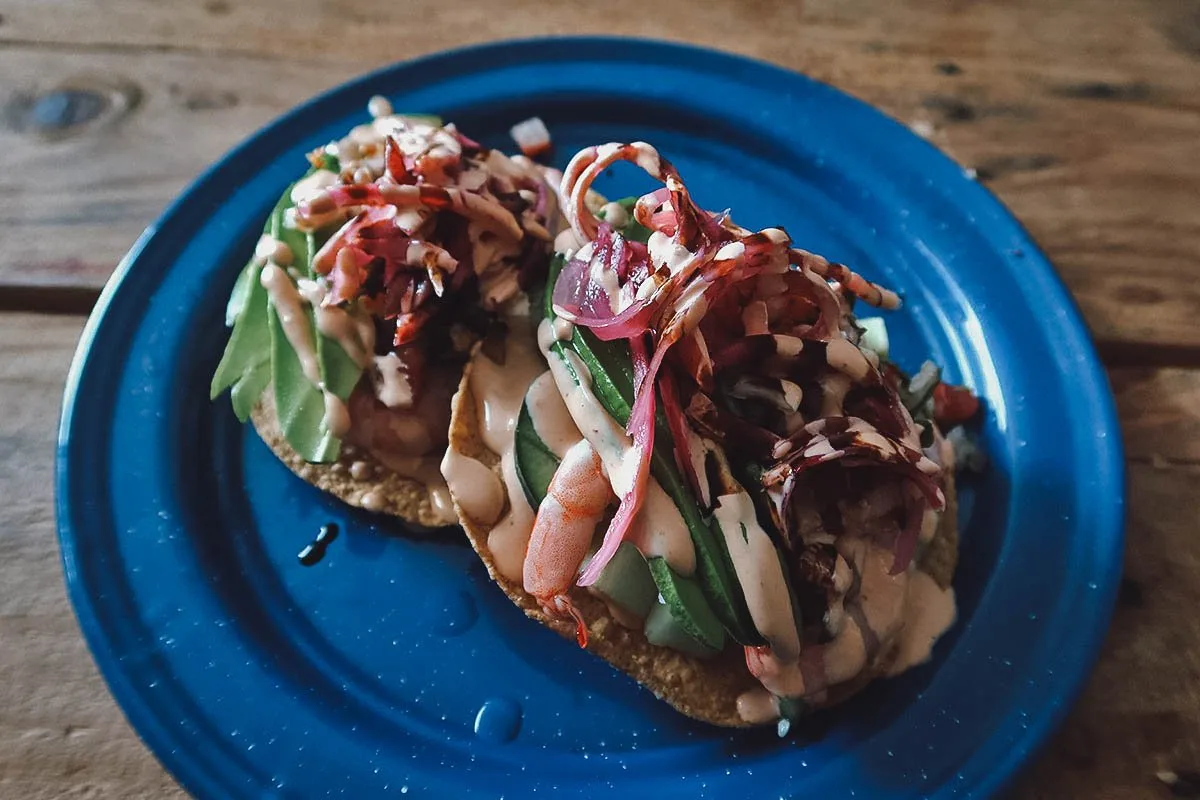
x=566, y=520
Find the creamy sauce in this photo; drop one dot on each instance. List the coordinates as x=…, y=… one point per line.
x=337, y=416
x=551, y=420
x=754, y=318
x=892, y=614
x=563, y=328
x=666, y=533
x=354, y=332
x=731, y=251
x=758, y=706
x=929, y=611
x=659, y=530
x=788, y=346
x=424, y=470
x=835, y=614
x=842, y=355
x=509, y=539
x=566, y=243
x=881, y=594
x=929, y=524
x=665, y=252
x=499, y=391
x=289, y=306
x=760, y=573
x=271, y=249
x=614, y=214
x=392, y=387
x=312, y=185
x=479, y=492
x=792, y=393
x=833, y=394
x=553, y=424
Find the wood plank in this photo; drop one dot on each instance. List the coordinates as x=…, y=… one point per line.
x=1138, y=715
x=62, y=735
x=1160, y=414
x=1081, y=115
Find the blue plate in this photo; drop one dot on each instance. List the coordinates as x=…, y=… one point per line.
x=394, y=665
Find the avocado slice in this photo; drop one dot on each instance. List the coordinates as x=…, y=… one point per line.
x=258, y=353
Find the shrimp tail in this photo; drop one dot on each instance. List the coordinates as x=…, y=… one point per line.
x=560, y=605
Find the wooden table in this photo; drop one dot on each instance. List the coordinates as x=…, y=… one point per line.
x=1083, y=116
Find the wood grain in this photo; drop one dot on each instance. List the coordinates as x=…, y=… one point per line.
x=1160, y=414
x=1140, y=713
x=1083, y=116
x=61, y=735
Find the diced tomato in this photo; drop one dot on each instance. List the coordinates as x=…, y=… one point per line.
x=953, y=405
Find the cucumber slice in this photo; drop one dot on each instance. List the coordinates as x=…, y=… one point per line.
x=627, y=582
x=664, y=630
x=687, y=604
x=612, y=381
x=534, y=461
x=874, y=336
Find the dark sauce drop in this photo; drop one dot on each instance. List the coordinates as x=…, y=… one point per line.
x=314, y=551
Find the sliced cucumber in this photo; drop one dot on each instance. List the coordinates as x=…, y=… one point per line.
x=612, y=381
x=626, y=581
x=688, y=605
x=664, y=629
x=534, y=461
x=874, y=336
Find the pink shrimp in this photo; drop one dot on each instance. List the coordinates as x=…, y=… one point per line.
x=566, y=520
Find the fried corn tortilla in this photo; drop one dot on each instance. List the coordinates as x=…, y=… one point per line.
x=356, y=478
x=706, y=690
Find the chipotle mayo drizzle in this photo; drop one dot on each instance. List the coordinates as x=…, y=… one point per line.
x=760, y=573
x=424, y=470
x=289, y=306
x=353, y=331
x=551, y=420
x=902, y=615
x=499, y=391
x=929, y=611
x=509, y=540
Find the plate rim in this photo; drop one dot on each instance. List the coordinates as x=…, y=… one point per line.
x=191, y=773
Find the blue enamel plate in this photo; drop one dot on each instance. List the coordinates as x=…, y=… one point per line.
x=394, y=666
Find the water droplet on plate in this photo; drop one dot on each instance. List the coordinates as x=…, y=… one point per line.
x=498, y=720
